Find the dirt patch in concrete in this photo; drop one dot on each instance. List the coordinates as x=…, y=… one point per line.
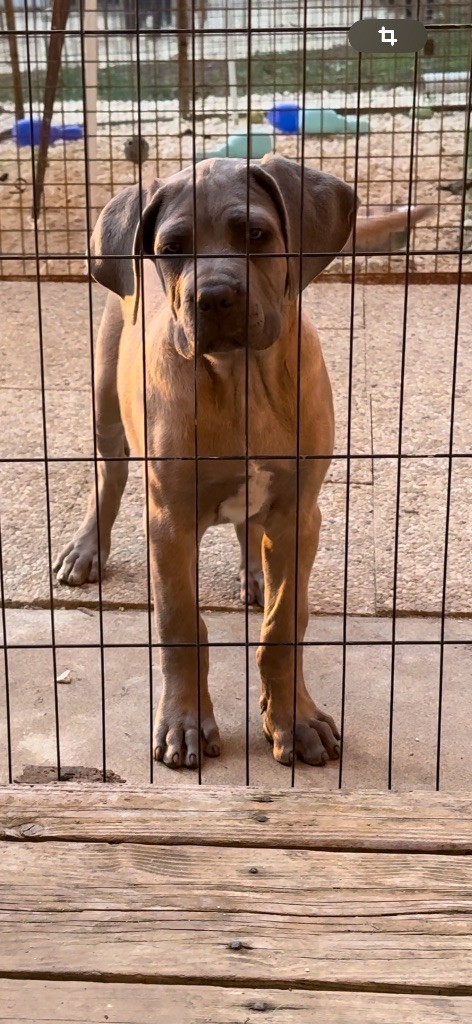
x=43, y=774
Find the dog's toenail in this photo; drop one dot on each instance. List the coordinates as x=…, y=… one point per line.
x=175, y=758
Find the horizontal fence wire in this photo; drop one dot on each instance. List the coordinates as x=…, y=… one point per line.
x=151, y=89
x=164, y=39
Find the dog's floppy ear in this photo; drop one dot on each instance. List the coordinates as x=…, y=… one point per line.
x=113, y=239
x=326, y=220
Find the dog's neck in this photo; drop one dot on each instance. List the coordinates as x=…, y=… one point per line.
x=225, y=365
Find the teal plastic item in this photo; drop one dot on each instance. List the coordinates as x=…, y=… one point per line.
x=328, y=122
x=261, y=142
x=288, y=119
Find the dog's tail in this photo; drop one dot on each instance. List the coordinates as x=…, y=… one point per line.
x=387, y=232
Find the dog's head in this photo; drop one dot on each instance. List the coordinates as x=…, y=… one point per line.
x=232, y=244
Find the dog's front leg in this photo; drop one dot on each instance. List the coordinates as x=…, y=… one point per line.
x=184, y=655
x=279, y=658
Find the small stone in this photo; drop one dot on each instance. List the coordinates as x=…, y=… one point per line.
x=253, y=871
x=65, y=677
x=259, y=1007
x=262, y=818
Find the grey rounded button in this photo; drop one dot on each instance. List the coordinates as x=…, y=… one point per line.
x=389, y=35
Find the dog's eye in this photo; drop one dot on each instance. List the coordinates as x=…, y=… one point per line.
x=170, y=249
x=256, y=234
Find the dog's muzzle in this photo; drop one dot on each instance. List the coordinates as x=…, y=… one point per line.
x=219, y=316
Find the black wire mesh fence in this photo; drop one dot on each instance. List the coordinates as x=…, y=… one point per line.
x=152, y=90
x=107, y=96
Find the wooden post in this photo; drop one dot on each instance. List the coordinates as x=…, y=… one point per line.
x=14, y=60
x=90, y=104
x=185, y=81
x=60, y=14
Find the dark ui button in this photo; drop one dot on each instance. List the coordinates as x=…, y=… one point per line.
x=392, y=35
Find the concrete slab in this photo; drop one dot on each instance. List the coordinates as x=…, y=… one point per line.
x=428, y=370
x=25, y=545
x=425, y=431
x=69, y=429
x=377, y=341
x=127, y=701
x=351, y=404
x=66, y=334
x=66, y=344
x=422, y=535
x=329, y=304
x=67, y=401
x=66, y=331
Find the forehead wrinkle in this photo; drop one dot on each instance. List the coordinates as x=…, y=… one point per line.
x=220, y=190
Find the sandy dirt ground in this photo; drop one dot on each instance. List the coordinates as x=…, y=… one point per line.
x=383, y=173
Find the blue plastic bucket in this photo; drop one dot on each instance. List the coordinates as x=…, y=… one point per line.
x=284, y=116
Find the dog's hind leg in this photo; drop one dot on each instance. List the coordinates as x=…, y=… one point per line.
x=254, y=584
x=78, y=562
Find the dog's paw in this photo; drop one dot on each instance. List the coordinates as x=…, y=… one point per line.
x=175, y=740
x=78, y=562
x=316, y=736
x=254, y=588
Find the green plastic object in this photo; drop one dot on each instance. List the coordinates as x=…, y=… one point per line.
x=422, y=113
x=259, y=137
x=328, y=122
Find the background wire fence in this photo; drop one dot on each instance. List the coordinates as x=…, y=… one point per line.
x=184, y=101
x=107, y=98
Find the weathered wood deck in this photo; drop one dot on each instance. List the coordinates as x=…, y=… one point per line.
x=230, y=906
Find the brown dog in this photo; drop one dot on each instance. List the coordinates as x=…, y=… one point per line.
x=205, y=316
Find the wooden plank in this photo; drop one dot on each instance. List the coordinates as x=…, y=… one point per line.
x=76, y=876
x=424, y=822
x=30, y=1002
x=190, y=914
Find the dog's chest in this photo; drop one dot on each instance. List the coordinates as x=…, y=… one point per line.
x=247, y=501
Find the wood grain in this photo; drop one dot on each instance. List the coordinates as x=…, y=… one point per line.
x=57, y=877
x=427, y=822
x=190, y=914
x=30, y=1002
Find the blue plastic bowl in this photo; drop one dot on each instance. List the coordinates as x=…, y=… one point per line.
x=284, y=116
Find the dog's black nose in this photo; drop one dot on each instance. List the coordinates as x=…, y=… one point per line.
x=216, y=298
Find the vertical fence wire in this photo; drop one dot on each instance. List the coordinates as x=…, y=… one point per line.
x=6, y=667
x=142, y=320
x=246, y=388
x=296, y=648
x=115, y=37
x=399, y=454
x=196, y=404
x=452, y=409
x=347, y=507
x=88, y=193
x=42, y=370
x=202, y=648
